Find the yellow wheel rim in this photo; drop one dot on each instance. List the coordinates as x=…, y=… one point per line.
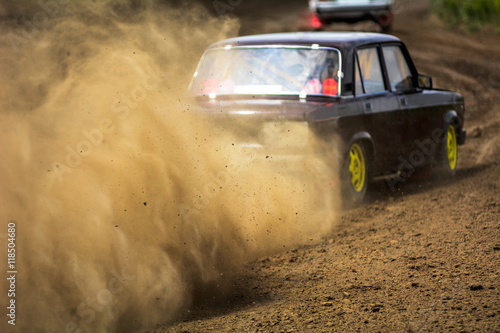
x=451, y=145
x=357, y=167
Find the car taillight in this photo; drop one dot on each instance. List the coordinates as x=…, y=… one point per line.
x=315, y=22
x=313, y=86
x=330, y=87
x=210, y=86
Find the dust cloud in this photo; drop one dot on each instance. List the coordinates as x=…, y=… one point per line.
x=125, y=202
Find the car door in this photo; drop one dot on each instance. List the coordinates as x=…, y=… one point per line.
x=381, y=108
x=419, y=118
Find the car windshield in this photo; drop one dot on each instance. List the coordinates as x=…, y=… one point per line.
x=269, y=70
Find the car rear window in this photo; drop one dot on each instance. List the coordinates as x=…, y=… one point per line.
x=273, y=70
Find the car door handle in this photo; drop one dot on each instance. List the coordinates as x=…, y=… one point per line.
x=368, y=106
x=403, y=101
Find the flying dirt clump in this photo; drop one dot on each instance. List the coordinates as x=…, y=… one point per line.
x=124, y=201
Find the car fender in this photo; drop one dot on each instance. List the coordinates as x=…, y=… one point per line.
x=452, y=117
x=367, y=141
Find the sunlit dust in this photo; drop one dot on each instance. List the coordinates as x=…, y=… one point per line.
x=123, y=198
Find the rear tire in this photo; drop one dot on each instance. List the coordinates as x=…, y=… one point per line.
x=355, y=175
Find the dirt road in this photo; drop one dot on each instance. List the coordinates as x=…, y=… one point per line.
x=421, y=257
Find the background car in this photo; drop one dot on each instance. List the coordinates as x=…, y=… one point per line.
x=352, y=11
x=358, y=91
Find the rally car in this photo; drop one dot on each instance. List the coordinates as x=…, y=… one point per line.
x=359, y=91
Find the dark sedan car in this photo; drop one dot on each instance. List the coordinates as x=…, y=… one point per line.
x=360, y=91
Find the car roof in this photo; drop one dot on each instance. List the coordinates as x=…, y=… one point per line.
x=340, y=40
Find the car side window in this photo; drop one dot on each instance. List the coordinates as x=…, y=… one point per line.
x=358, y=87
x=371, y=72
x=399, y=73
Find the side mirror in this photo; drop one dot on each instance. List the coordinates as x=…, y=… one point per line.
x=424, y=81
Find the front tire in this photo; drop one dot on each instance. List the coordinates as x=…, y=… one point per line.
x=448, y=158
x=355, y=175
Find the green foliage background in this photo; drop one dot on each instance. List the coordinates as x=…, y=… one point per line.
x=472, y=13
